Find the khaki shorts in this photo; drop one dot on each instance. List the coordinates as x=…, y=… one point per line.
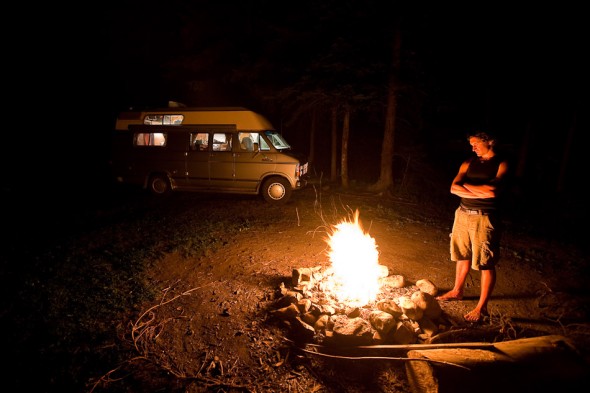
x=476, y=237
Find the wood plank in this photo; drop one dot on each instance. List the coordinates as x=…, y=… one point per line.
x=531, y=364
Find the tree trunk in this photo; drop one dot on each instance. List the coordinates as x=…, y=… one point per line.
x=334, y=163
x=523, y=153
x=312, y=132
x=344, y=152
x=385, y=181
x=561, y=180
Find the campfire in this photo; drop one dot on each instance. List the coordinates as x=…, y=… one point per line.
x=355, y=264
x=356, y=300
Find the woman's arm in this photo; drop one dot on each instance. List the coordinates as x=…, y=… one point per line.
x=458, y=187
x=489, y=190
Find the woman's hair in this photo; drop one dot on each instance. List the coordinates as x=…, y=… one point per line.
x=484, y=136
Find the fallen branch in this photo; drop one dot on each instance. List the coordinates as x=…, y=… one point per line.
x=408, y=347
x=401, y=359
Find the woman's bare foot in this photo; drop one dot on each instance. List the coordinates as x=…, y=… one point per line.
x=451, y=295
x=475, y=315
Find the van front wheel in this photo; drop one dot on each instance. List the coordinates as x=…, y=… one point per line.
x=276, y=190
x=159, y=185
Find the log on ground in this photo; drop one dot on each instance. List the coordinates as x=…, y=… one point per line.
x=531, y=364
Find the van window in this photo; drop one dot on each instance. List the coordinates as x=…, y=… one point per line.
x=150, y=139
x=263, y=146
x=200, y=141
x=222, y=142
x=247, y=140
x=277, y=140
x=161, y=120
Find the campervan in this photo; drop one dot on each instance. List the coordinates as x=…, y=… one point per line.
x=225, y=150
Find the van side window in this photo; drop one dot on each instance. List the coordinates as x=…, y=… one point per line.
x=150, y=139
x=200, y=141
x=222, y=142
x=263, y=145
x=246, y=142
x=163, y=119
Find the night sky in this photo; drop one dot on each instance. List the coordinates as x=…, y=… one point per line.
x=510, y=70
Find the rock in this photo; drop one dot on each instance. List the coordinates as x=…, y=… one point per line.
x=309, y=318
x=428, y=304
x=321, y=324
x=394, y=281
x=383, y=271
x=290, y=297
x=427, y=286
x=304, y=305
x=381, y=321
x=411, y=309
x=352, y=331
x=286, y=313
x=390, y=307
x=429, y=328
x=302, y=330
x=404, y=334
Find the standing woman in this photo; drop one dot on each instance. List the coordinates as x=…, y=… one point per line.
x=475, y=238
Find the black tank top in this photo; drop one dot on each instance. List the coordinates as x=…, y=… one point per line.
x=482, y=172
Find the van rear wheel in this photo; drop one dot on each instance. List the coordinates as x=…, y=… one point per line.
x=159, y=185
x=276, y=190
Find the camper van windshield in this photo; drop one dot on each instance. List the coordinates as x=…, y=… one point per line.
x=277, y=140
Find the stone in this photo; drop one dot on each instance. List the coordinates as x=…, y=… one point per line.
x=382, y=322
x=427, y=286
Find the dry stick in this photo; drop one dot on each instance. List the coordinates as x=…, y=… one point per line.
x=429, y=346
x=233, y=365
x=171, y=300
x=143, y=326
x=106, y=378
x=481, y=345
x=137, y=324
x=316, y=347
x=203, y=364
x=383, y=358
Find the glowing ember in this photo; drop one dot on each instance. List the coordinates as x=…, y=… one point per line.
x=355, y=261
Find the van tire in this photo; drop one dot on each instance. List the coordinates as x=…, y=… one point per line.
x=276, y=190
x=159, y=185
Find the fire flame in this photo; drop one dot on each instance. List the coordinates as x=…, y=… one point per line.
x=355, y=262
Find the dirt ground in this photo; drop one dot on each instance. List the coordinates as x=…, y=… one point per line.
x=211, y=329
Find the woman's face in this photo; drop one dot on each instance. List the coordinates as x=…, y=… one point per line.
x=479, y=147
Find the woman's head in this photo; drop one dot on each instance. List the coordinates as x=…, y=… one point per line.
x=482, y=144
x=485, y=137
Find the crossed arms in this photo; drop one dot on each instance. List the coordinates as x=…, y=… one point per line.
x=467, y=190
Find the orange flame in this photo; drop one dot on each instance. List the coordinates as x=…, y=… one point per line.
x=355, y=261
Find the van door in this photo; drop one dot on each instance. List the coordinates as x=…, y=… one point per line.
x=172, y=158
x=197, y=159
x=221, y=161
x=253, y=160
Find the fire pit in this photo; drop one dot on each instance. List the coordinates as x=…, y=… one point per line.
x=356, y=300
